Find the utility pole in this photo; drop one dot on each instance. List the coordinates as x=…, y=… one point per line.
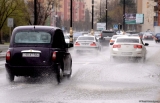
x=100, y=10
x=106, y=13
x=92, y=31
x=35, y=12
x=124, y=15
x=71, y=30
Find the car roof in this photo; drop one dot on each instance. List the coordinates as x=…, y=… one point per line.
x=118, y=35
x=87, y=36
x=36, y=27
x=107, y=31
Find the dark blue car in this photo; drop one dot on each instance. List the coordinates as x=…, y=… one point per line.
x=157, y=37
x=37, y=50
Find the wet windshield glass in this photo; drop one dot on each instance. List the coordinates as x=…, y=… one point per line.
x=32, y=37
x=86, y=38
x=127, y=41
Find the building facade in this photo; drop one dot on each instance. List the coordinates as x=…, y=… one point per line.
x=78, y=10
x=146, y=7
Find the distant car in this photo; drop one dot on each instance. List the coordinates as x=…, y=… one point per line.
x=76, y=35
x=37, y=50
x=119, y=32
x=148, y=35
x=113, y=39
x=66, y=37
x=157, y=38
x=141, y=34
x=97, y=34
x=129, y=47
x=134, y=35
x=87, y=43
x=106, y=36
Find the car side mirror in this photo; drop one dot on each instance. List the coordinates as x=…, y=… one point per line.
x=111, y=43
x=69, y=45
x=146, y=44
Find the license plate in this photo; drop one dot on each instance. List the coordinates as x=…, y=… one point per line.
x=30, y=55
x=126, y=53
x=85, y=43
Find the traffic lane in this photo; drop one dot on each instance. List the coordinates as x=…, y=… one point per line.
x=93, y=79
x=89, y=82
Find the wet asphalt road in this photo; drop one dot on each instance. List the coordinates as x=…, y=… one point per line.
x=95, y=79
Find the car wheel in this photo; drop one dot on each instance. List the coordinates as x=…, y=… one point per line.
x=9, y=76
x=59, y=73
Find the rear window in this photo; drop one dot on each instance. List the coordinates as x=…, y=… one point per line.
x=86, y=38
x=106, y=33
x=32, y=37
x=158, y=34
x=120, y=40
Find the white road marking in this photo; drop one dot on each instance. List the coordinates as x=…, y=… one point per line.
x=86, y=63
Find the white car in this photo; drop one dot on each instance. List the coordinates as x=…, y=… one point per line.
x=87, y=43
x=114, y=37
x=148, y=35
x=66, y=37
x=119, y=32
x=129, y=47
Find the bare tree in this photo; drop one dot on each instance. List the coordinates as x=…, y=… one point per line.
x=7, y=7
x=44, y=10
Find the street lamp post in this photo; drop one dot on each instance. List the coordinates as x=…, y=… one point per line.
x=123, y=15
x=106, y=13
x=92, y=31
x=71, y=30
x=100, y=10
x=35, y=12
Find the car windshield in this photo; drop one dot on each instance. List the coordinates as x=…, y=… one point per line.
x=77, y=34
x=32, y=37
x=107, y=33
x=126, y=40
x=86, y=38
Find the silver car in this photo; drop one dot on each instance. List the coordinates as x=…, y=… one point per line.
x=87, y=43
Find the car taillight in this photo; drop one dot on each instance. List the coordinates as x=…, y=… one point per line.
x=137, y=46
x=54, y=55
x=93, y=44
x=111, y=41
x=101, y=35
x=77, y=44
x=8, y=56
x=116, y=46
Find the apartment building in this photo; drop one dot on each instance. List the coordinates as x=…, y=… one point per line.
x=146, y=7
x=78, y=10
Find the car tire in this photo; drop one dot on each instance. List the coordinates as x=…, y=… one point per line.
x=59, y=73
x=10, y=76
